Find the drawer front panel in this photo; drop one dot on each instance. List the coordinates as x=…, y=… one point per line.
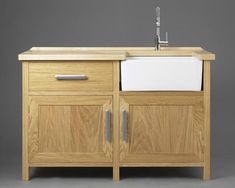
x=71, y=76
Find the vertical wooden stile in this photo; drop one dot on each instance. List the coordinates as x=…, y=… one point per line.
x=25, y=164
x=116, y=78
x=206, y=86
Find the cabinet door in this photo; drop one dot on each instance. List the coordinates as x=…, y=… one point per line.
x=64, y=129
x=161, y=129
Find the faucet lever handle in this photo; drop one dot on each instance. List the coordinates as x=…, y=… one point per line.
x=164, y=42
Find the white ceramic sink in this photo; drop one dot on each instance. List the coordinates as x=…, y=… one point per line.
x=161, y=74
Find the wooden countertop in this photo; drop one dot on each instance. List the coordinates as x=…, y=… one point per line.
x=109, y=53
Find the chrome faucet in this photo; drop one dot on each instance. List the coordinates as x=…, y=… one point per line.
x=158, y=41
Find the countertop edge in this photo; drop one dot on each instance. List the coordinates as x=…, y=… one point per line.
x=23, y=57
x=108, y=53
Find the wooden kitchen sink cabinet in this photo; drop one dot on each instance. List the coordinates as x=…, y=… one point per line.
x=76, y=114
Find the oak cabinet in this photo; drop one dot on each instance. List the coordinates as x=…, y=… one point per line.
x=75, y=113
x=70, y=129
x=161, y=129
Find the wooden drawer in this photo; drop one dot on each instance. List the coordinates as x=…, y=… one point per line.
x=99, y=76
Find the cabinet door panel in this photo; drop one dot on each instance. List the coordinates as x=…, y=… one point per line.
x=162, y=130
x=68, y=129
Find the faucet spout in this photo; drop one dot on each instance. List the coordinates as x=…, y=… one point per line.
x=158, y=41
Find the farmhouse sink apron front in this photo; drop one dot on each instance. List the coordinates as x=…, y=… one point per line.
x=116, y=107
x=161, y=74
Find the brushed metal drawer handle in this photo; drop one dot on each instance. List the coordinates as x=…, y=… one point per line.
x=71, y=77
x=124, y=125
x=108, y=125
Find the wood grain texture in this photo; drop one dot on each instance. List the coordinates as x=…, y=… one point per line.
x=161, y=93
x=42, y=76
x=67, y=157
x=165, y=131
x=70, y=93
x=63, y=129
x=70, y=129
x=164, y=100
x=25, y=159
x=70, y=54
x=161, y=158
x=72, y=164
x=110, y=53
x=162, y=164
x=116, y=83
x=206, y=87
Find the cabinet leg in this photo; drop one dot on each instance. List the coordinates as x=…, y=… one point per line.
x=206, y=85
x=116, y=174
x=25, y=172
x=206, y=172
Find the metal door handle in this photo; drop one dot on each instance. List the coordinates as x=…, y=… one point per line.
x=108, y=125
x=124, y=125
x=71, y=77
